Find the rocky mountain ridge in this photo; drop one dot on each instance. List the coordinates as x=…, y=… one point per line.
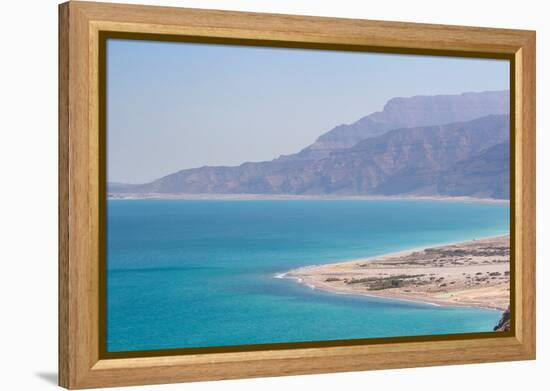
x=378, y=155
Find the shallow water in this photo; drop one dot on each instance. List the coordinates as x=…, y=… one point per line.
x=194, y=273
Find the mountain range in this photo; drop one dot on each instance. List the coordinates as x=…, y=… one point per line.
x=443, y=145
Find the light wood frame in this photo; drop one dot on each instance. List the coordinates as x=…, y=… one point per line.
x=80, y=165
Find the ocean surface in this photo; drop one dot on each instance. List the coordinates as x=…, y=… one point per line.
x=197, y=273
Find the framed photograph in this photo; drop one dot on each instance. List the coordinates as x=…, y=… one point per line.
x=247, y=195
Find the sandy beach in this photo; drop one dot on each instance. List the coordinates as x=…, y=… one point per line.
x=474, y=273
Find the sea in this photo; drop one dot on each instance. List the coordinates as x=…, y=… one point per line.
x=204, y=273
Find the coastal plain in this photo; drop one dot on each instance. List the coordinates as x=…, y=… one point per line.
x=474, y=274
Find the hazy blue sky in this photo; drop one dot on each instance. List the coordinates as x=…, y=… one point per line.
x=176, y=105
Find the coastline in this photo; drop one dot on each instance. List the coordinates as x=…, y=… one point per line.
x=466, y=274
x=252, y=197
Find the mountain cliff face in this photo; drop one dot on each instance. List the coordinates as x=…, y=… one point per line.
x=421, y=160
x=409, y=161
x=407, y=113
x=486, y=175
x=393, y=152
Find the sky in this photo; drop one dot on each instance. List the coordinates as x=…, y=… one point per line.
x=172, y=106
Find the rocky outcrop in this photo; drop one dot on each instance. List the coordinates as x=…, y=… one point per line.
x=504, y=322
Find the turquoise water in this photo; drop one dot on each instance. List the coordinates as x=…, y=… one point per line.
x=186, y=273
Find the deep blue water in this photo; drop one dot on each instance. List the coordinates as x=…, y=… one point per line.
x=186, y=273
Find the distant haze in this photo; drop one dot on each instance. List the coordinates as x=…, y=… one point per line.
x=173, y=106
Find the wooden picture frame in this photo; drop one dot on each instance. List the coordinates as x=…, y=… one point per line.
x=81, y=164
